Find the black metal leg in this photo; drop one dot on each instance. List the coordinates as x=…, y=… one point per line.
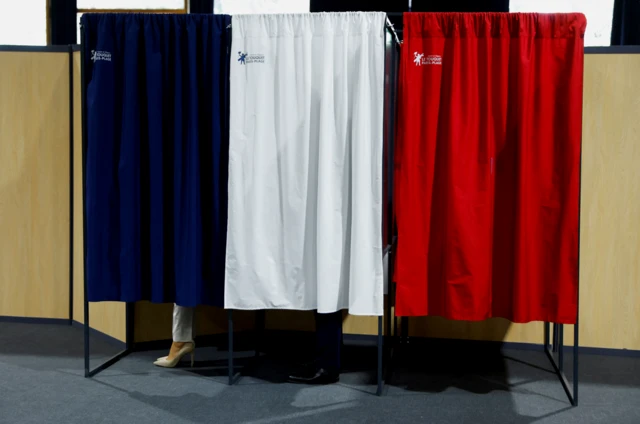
x=404, y=330
x=87, y=364
x=380, y=347
x=108, y=363
x=387, y=312
x=259, y=331
x=395, y=328
x=230, y=350
x=546, y=335
x=558, y=365
x=88, y=372
x=233, y=375
x=560, y=347
x=575, y=363
x=71, y=183
x=391, y=336
x=555, y=338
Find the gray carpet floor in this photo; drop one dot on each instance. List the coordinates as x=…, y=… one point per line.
x=41, y=381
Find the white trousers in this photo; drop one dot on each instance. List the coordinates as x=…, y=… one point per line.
x=183, y=323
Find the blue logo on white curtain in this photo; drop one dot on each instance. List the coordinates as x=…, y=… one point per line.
x=246, y=58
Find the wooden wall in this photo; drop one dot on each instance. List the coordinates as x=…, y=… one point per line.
x=610, y=222
x=34, y=215
x=34, y=184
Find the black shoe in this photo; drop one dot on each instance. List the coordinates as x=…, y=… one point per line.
x=318, y=376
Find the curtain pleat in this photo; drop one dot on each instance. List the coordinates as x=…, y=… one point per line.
x=488, y=165
x=156, y=157
x=305, y=169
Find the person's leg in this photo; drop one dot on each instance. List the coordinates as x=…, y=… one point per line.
x=329, y=341
x=182, y=324
x=182, y=333
x=328, y=351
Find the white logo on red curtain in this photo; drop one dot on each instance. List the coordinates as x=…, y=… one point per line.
x=433, y=59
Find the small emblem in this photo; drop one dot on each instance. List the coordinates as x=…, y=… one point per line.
x=245, y=58
x=433, y=59
x=97, y=55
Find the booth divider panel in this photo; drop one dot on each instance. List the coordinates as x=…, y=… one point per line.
x=34, y=185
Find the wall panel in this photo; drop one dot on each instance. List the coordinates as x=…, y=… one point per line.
x=153, y=321
x=610, y=221
x=34, y=184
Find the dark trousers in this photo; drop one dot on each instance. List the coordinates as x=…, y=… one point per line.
x=329, y=340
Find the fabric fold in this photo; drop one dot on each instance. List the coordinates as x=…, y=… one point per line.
x=156, y=157
x=305, y=170
x=487, y=166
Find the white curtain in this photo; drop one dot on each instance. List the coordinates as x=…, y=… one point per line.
x=305, y=163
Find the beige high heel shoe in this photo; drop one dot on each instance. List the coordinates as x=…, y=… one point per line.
x=171, y=363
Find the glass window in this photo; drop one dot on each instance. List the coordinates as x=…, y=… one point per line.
x=131, y=4
x=599, y=15
x=23, y=22
x=234, y=7
x=79, y=38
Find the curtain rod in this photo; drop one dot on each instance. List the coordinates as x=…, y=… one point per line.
x=393, y=31
x=389, y=25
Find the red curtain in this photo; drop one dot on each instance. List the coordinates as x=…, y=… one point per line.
x=487, y=166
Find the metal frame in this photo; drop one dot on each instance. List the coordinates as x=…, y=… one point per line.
x=612, y=50
x=71, y=176
x=558, y=329
x=382, y=373
x=234, y=376
x=550, y=349
x=130, y=307
x=43, y=49
x=558, y=365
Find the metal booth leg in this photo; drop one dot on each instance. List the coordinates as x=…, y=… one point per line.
x=88, y=372
x=233, y=375
x=380, y=348
x=558, y=365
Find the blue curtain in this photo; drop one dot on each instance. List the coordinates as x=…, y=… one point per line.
x=626, y=23
x=156, y=157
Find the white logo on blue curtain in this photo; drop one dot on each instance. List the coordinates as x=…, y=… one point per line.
x=246, y=58
x=433, y=59
x=97, y=55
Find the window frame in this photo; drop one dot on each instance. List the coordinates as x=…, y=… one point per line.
x=183, y=10
x=82, y=11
